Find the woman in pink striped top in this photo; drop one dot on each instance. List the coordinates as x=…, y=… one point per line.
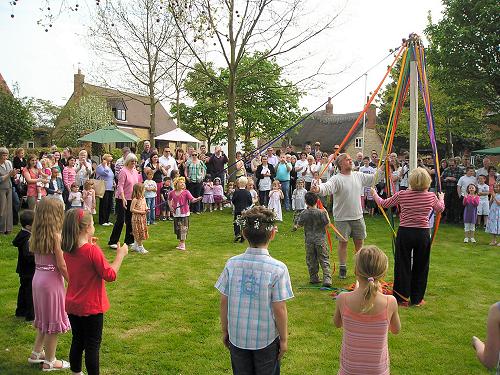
x=416, y=205
x=366, y=316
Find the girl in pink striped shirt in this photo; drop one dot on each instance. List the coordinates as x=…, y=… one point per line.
x=416, y=203
x=366, y=316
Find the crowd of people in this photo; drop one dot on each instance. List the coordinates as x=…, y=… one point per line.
x=144, y=188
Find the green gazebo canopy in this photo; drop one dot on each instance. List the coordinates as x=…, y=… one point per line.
x=109, y=134
x=488, y=151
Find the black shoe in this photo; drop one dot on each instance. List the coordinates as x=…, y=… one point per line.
x=315, y=282
x=236, y=239
x=343, y=272
x=242, y=239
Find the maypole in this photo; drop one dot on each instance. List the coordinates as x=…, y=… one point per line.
x=413, y=41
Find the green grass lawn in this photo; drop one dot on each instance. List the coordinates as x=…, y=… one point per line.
x=164, y=307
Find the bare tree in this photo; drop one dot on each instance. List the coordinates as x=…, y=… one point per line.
x=234, y=28
x=132, y=37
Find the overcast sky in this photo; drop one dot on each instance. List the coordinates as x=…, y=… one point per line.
x=43, y=63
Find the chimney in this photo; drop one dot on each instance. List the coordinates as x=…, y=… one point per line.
x=329, y=107
x=78, y=83
x=371, y=117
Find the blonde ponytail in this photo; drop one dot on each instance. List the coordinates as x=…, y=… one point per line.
x=371, y=264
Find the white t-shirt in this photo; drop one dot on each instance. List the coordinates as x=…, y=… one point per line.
x=367, y=170
x=149, y=184
x=465, y=181
x=265, y=183
x=345, y=189
x=404, y=172
x=483, y=188
x=168, y=161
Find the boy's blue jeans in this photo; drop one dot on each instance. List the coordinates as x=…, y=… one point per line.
x=256, y=362
x=150, y=216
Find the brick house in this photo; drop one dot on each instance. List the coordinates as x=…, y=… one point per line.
x=130, y=112
x=4, y=86
x=330, y=129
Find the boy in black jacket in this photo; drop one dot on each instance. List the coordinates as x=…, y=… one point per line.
x=242, y=199
x=25, y=267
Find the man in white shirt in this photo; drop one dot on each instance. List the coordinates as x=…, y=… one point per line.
x=272, y=158
x=347, y=211
x=465, y=181
x=168, y=161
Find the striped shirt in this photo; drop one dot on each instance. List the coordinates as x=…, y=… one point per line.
x=364, y=342
x=196, y=171
x=416, y=207
x=252, y=281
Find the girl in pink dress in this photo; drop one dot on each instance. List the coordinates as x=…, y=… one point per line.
x=88, y=195
x=218, y=194
x=48, y=284
x=178, y=202
x=366, y=316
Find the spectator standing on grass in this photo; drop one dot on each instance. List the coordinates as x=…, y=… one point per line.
x=7, y=172
x=413, y=241
x=347, y=212
x=168, y=162
x=146, y=153
x=217, y=161
x=127, y=178
x=271, y=157
x=484, y=169
x=265, y=174
x=105, y=173
x=121, y=161
x=83, y=168
x=366, y=315
x=195, y=174
x=464, y=182
x=253, y=310
x=453, y=204
x=283, y=170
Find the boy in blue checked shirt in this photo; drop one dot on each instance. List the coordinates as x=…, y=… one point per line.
x=254, y=287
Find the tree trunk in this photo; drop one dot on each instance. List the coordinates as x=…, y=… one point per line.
x=152, y=115
x=231, y=124
x=178, y=102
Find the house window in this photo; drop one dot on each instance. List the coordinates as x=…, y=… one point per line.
x=31, y=144
x=358, y=142
x=120, y=114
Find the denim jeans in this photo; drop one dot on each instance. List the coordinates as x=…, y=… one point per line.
x=256, y=362
x=285, y=188
x=150, y=216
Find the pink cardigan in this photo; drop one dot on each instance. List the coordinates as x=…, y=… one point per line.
x=126, y=181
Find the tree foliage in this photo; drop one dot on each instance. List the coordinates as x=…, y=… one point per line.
x=206, y=118
x=89, y=114
x=16, y=121
x=464, y=51
x=454, y=119
x=265, y=106
x=236, y=28
x=44, y=111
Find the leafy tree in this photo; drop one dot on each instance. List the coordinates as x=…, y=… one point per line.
x=44, y=111
x=266, y=104
x=89, y=114
x=16, y=121
x=235, y=29
x=464, y=51
x=454, y=120
x=206, y=118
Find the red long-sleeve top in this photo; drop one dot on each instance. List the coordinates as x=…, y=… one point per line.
x=87, y=269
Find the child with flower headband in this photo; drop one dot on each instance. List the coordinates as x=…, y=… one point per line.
x=366, y=316
x=86, y=299
x=253, y=308
x=178, y=201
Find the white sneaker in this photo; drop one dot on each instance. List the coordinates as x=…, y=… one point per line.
x=466, y=239
x=134, y=247
x=473, y=240
x=109, y=224
x=142, y=250
x=114, y=246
